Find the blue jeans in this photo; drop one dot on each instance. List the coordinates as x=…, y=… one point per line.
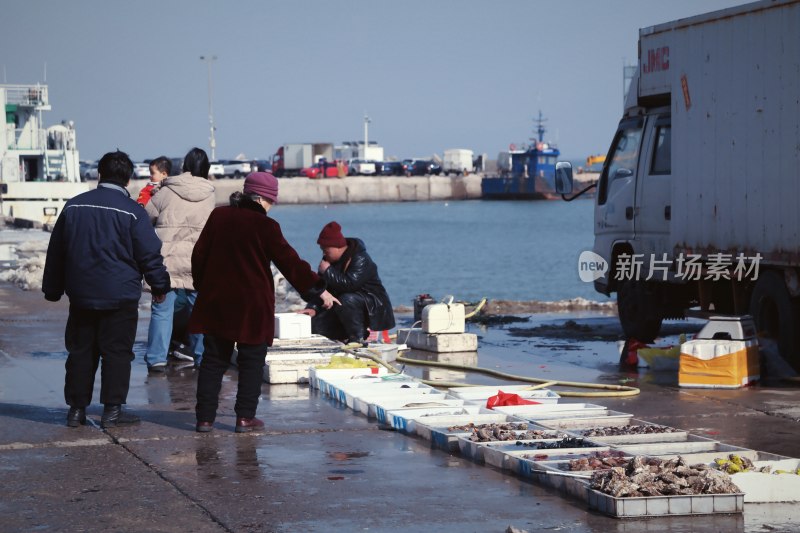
x=159, y=332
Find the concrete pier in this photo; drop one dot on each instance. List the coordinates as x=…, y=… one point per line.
x=356, y=189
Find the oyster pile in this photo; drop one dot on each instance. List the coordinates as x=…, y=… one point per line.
x=615, y=431
x=566, y=442
x=599, y=461
x=645, y=476
x=496, y=433
x=510, y=426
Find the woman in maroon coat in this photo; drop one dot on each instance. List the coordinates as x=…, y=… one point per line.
x=236, y=296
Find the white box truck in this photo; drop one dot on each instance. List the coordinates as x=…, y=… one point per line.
x=698, y=202
x=458, y=161
x=291, y=157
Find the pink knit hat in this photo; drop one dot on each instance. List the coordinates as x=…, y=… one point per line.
x=263, y=184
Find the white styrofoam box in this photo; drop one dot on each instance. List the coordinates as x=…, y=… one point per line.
x=405, y=420
x=436, y=428
x=692, y=444
x=387, y=352
x=737, y=328
x=292, y=326
x=378, y=388
x=443, y=318
x=482, y=393
x=445, y=343
x=761, y=487
x=291, y=368
x=611, y=440
x=339, y=389
x=317, y=374
x=610, y=418
x=518, y=459
x=553, y=410
x=705, y=349
x=718, y=450
x=289, y=360
x=391, y=403
x=475, y=450
x=365, y=402
x=348, y=393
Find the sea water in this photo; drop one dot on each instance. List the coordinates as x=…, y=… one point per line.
x=509, y=250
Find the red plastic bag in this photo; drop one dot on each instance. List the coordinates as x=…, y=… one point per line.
x=505, y=398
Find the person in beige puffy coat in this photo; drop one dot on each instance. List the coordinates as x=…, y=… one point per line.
x=179, y=212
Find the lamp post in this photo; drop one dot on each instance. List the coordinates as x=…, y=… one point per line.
x=366, y=134
x=212, y=141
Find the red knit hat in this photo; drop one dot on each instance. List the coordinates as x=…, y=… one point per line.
x=331, y=235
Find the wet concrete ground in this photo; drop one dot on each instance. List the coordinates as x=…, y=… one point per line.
x=318, y=466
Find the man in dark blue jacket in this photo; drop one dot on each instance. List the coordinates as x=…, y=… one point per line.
x=101, y=246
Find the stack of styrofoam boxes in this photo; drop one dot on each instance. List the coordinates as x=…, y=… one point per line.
x=724, y=355
x=295, y=350
x=442, y=330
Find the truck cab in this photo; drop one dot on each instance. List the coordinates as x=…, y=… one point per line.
x=696, y=204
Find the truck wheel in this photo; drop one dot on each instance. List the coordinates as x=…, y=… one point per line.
x=776, y=315
x=638, y=308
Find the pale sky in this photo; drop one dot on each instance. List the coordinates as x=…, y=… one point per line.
x=430, y=74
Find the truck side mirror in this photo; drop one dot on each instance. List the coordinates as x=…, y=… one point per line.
x=563, y=177
x=622, y=173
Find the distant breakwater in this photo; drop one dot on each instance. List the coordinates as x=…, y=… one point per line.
x=356, y=189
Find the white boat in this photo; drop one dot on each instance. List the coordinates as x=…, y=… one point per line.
x=39, y=168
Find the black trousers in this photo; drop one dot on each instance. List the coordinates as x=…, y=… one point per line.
x=216, y=361
x=346, y=322
x=90, y=335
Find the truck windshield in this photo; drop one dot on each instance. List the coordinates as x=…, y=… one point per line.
x=623, y=156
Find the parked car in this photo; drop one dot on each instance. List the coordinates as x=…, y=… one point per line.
x=422, y=167
x=315, y=170
x=236, y=169
x=88, y=170
x=360, y=167
x=262, y=165
x=391, y=168
x=141, y=171
x=216, y=169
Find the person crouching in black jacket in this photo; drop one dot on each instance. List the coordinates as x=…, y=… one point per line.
x=352, y=277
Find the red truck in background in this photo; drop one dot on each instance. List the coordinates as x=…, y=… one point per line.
x=291, y=158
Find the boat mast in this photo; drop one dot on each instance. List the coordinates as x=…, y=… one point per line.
x=540, y=129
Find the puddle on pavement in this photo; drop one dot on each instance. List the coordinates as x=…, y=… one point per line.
x=61, y=355
x=344, y=456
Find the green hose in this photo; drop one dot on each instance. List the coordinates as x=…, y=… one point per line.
x=606, y=390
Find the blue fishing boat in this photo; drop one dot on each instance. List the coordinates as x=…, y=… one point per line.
x=526, y=172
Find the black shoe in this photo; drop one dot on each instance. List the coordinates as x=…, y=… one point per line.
x=113, y=415
x=76, y=417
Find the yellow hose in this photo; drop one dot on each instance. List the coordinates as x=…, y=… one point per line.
x=476, y=310
x=606, y=390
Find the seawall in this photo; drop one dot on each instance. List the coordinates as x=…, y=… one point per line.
x=355, y=189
